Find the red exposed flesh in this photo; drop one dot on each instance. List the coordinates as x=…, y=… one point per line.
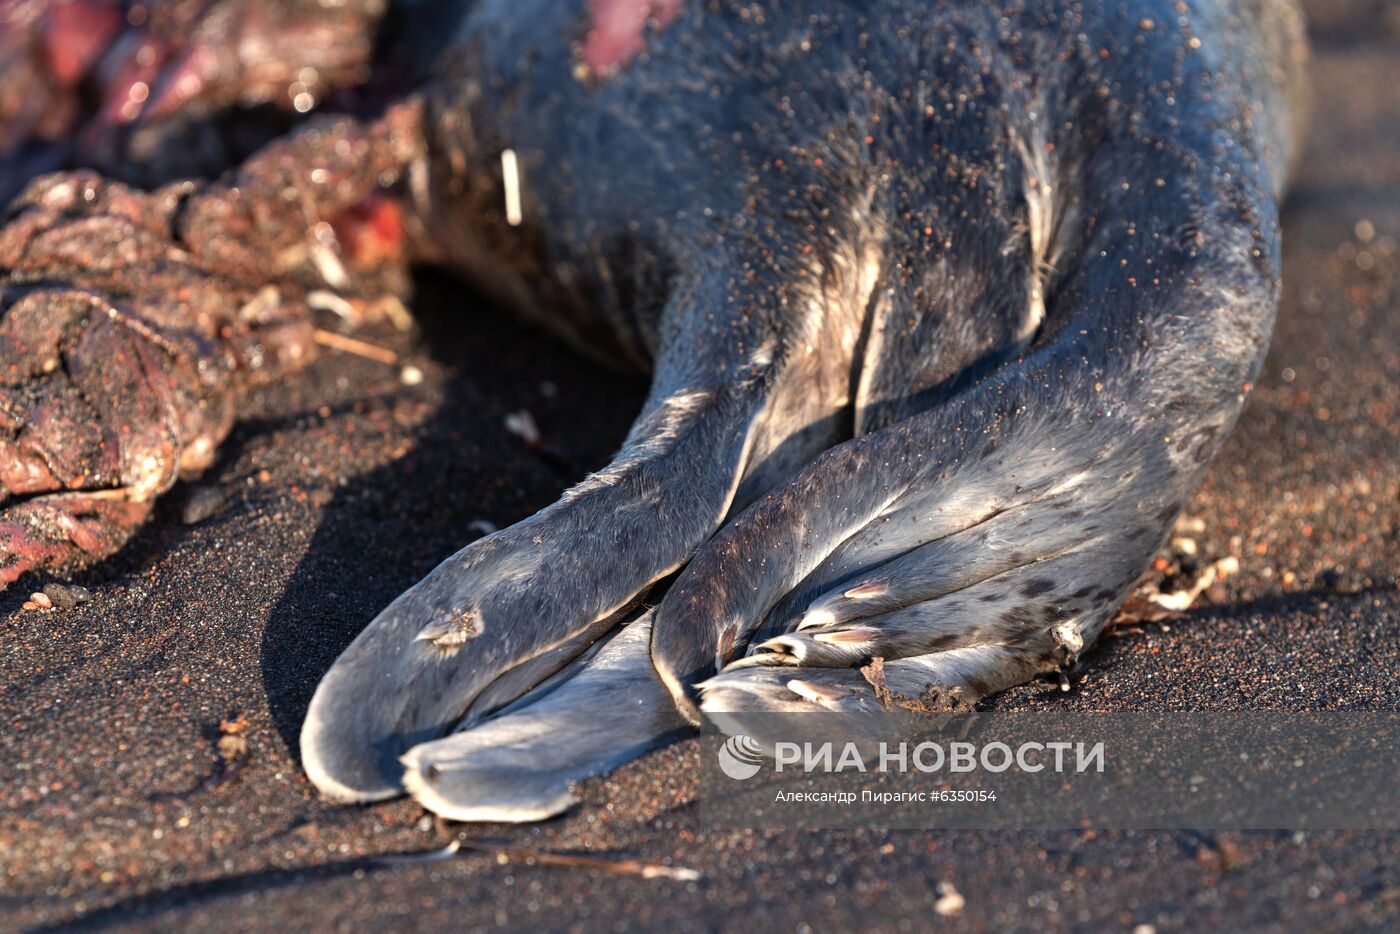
x=618, y=34
x=76, y=34
x=372, y=232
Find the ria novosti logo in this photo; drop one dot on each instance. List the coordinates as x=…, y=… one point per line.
x=740, y=757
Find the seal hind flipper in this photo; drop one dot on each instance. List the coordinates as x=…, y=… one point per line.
x=869, y=706
x=1010, y=609
x=481, y=624
x=1082, y=453
x=521, y=766
x=1058, y=367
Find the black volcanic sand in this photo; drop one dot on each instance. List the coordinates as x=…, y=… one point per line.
x=345, y=486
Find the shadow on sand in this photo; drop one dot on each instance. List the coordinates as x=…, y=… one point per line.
x=386, y=528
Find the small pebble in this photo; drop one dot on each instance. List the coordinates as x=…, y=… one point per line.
x=58, y=595
x=1227, y=567
x=1191, y=525
x=232, y=748
x=66, y=596
x=41, y=600
x=950, y=902
x=202, y=504
x=410, y=375
x=522, y=425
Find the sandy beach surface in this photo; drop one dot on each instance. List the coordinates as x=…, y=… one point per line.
x=124, y=803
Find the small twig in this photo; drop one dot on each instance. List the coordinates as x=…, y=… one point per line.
x=510, y=176
x=431, y=856
x=392, y=308
x=529, y=857
x=357, y=347
x=624, y=867
x=120, y=493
